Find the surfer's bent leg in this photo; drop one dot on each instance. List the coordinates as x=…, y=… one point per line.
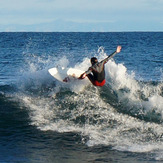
x=91, y=78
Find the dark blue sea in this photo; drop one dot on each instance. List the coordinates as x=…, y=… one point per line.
x=44, y=120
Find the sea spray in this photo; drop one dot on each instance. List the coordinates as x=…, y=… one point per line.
x=91, y=111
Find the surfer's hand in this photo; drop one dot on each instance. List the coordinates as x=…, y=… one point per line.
x=118, y=49
x=82, y=76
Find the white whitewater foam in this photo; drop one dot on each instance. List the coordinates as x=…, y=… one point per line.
x=102, y=124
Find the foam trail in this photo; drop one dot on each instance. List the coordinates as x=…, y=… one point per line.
x=98, y=123
x=80, y=107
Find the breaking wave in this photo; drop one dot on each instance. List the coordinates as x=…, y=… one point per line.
x=126, y=114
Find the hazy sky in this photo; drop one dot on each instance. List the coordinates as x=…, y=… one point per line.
x=126, y=15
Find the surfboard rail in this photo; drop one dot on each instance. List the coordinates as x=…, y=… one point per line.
x=65, y=74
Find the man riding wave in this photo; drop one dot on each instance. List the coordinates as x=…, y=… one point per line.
x=96, y=73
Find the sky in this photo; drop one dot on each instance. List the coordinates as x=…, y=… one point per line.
x=81, y=15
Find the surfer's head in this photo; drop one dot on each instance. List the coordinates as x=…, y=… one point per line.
x=94, y=60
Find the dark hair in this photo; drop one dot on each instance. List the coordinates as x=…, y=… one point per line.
x=94, y=60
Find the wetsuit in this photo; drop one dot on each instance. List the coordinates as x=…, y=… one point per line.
x=96, y=73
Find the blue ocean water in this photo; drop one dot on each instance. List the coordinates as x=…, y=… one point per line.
x=43, y=120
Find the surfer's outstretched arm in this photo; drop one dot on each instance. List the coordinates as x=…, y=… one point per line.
x=83, y=75
x=118, y=50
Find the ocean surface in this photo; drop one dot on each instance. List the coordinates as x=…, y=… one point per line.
x=43, y=120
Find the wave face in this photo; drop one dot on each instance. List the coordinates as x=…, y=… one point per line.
x=126, y=114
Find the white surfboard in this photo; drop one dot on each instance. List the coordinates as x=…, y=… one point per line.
x=65, y=74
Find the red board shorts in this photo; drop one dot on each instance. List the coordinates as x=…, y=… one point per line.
x=100, y=84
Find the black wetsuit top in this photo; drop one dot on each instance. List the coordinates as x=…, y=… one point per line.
x=98, y=68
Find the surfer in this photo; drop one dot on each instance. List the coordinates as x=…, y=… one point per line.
x=96, y=73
